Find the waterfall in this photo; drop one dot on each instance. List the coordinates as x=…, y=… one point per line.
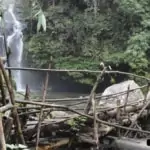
x=14, y=37
x=13, y=12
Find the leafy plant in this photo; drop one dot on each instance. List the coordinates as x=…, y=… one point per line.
x=81, y=34
x=77, y=123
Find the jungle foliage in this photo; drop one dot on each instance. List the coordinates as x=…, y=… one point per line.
x=82, y=33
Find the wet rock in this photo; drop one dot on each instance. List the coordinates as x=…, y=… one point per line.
x=59, y=114
x=148, y=96
x=119, y=92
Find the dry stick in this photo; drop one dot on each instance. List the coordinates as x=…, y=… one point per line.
x=88, y=105
x=85, y=98
x=6, y=107
x=129, y=104
x=2, y=137
x=11, y=94
x=145, y=98
x=109, y=111
x=8, y=128
x=3, y=94
x=138, y=128
x=146, y=94
x=96, y=136
x=126, y=100
x=73, y=70
x=41, y=112
x=118, y=110
x=138, y=115
x=26, y=97
x=53, y=3
x=102, y=109
x=7, y=56
x=33, y=112
x=118, y=114
x=82, y=114
x=72, y=117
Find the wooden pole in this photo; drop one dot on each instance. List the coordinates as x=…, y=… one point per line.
x=12, y=101
x=2, y=137
x=41, y=111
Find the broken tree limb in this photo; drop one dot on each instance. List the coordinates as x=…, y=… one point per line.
x=100, y=108
x=126, y=100
x=89, y=102
x=2, y=137
x=8, y=127
x=84, y=98
x=110, y=112
x=12, y=101
x=3, y=93
x=130, y=108
x=25, y=117
x=73, y=70
x=147, y=90
x=6, y=107
x=96, y=136
x=41, y=111
x=82, y=114
x=139, y=114
x=7, y=50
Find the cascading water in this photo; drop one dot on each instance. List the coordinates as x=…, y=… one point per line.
x=14, y=35
x=13, y=31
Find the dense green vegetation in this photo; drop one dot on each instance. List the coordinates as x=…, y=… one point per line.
x=82, y=33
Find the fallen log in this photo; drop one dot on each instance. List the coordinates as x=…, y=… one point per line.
x=129, y=144
x=129, y=109
x=82, y=114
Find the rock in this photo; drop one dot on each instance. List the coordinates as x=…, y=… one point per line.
x=123, y=143
x=121, y=87
x=148, y=96
x=59, y=114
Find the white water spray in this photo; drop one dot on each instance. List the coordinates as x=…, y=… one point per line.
x=14, y=36
x=15, y=43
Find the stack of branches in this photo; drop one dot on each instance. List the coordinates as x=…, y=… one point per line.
x=46, y=125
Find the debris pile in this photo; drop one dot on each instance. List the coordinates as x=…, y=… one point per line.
x=122, y=110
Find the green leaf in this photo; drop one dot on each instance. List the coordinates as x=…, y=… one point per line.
x=41, y=21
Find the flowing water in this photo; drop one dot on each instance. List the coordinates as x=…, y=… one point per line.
x=14, y=37
x=13, y=14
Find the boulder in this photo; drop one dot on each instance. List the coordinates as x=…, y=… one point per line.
x=59, y=114
x=115, y=89
x=148, y=95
